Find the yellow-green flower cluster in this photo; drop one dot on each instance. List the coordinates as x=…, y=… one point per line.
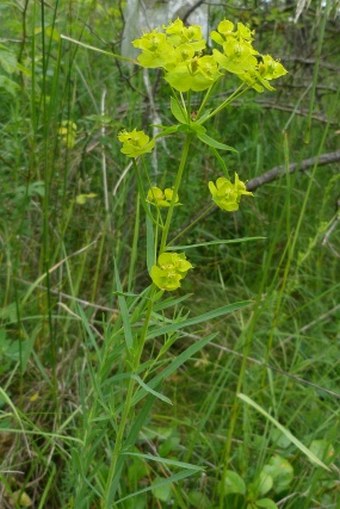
x=161, y=198
x=179, y=51
x=135, y=143
x=67, y=133
x=239, y=57
x=171, y=268
x=226, y=195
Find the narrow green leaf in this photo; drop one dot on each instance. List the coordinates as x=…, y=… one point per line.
x=214, y=143
x=174, y=365
x=177, y=111
x=183, y=474
x=197, y=129
x=170, y=302
x=205, y=317
x=131, y=439
x=215, y=243
x=204, y=117
x=151, y=391
x=125, y=294
x=310, y=455
x=165, y=461
x=165, y=130
x=124, y=310
x=150, y=244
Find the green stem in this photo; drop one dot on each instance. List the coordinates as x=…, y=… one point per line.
x=178, y=180
x=128, y=402
x=205, y=100
x=198, y=218
x=235, y=95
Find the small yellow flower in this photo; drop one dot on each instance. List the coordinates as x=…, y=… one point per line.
x=197, y=74
x=226, y=195
x=82, y=198
x=157, y=51
x=161, y=198
x=135, y=143
x=179, y=34
x=67, y=133
x=171, y=268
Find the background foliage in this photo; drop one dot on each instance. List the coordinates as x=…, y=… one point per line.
x=66, y=212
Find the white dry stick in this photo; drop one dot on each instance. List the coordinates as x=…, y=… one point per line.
x=121, y=178
x=301, y=5
x=103, y=131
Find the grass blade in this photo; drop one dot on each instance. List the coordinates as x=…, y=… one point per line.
x=124, y=310
x=310, y=455
x=165, y=461
x=205, y=317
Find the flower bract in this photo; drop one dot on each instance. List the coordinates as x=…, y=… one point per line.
x=227, y=195
x=170, y=269
x=135, y=143
x=161, y=198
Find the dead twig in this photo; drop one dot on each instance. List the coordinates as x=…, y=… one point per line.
x=278, y=171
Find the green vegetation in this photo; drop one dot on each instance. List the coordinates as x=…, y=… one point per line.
x=167, y=339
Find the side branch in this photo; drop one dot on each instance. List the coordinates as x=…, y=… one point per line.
x=278, y=171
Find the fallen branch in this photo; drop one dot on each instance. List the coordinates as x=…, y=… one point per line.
x=320, y=117
x=278, y=171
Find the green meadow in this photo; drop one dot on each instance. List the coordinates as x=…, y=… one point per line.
x=169, y=258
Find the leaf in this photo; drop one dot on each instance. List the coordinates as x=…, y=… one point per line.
x=183, y=474
x=52, y=33
x=21, y=499
x=214, y=143
x=131, y=439
x=199, y=500
x=9, y=85
x=204, y=117
x=8, y=60
x=197, y=129
x=166, y=130
x=310, y=455
x=9, y=312
x=165, y=461
x=150, y=244
x=267, y=503
x=161, y=491
x=177, y=111
x=151, y=391
x=205, y=317
x=170, y=302
x=215, y=243
x=124, y=310
x=279, y=439
x=281, y=472
x=263, y=483
x=233, y=483
x=324, y=450
x=174, y=365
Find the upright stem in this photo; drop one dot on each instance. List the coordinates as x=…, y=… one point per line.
x=119, y=443
x=177, y=184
